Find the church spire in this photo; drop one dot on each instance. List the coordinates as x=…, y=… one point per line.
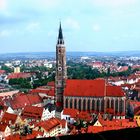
x=60, y=36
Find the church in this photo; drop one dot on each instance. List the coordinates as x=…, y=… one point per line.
x=85, y=95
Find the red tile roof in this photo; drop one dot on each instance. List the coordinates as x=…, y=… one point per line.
x=14, y=137
x=114, y=91
x=85, y=88
x=70, y=111
x=21, y=100
x=49, y=124
x=19, y=75
x=9, y=118
x=3, y=127
x=32, y=112
x=85, y=116
x=95, y=129
x=49, y=92
x=96, y=88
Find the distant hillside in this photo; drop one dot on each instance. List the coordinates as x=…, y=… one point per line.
x=69, y=54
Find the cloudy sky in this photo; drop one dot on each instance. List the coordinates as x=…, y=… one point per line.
x=88, y=25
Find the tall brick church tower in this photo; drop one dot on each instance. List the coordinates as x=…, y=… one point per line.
x=61, y=71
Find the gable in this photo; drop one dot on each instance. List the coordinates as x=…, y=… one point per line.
x=97, y=123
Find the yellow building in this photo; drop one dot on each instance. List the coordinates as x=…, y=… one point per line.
x=17, y=70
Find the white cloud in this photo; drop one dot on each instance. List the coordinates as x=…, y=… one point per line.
x=33, y=26
x=72, y=23
x=3, y=4
x=96, y=27
x=5, y=33
x=113, y=3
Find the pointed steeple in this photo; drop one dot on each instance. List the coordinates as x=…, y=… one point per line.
x=60, y=36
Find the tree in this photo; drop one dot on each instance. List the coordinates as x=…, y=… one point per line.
x=7, y=69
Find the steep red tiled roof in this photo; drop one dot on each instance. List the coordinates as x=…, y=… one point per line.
x=32, y=112
x=96, y=88
x=114, y=91
x=85, y=116
x=85, y=88
x=19, y=75
x=49, y=124
x=49, y=92
x=3, y=127
x=70, y=111
x=9, y=118
x=21, y=100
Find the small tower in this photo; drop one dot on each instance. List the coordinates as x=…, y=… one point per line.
x=61, y=71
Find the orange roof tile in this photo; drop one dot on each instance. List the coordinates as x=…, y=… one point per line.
x=70, y=111
x=49, y=124
x=32, y=112
x=21, y=100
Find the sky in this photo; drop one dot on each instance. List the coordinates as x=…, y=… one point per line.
x=88, y=25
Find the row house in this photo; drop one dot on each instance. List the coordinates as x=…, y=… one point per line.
x=34, y=113
x=52, y=127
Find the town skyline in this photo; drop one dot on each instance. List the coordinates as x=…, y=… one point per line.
x=95, y=26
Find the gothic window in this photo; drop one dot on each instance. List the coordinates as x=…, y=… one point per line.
x=98, y=105
x=116, y=105
x=70, y=103
x=112, y=103
x=107, y=103
x=102, y=105
x=93, y=104
x=66, y=103
x=75, y=103
x=88, y=105
x=121, y=105
x=84, y=105
x=79, y=104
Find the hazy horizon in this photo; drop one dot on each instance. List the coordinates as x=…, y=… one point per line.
x=88, y=26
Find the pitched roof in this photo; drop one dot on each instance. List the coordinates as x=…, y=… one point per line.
x=114, y=91
x=96, y=88
x=85, y=88
x=70, y=111
x=49, y=92
x=32, y=112
x=49, y=124
x=9, y=118
x=21, y=100
x=85, y=116
x=3, y=127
